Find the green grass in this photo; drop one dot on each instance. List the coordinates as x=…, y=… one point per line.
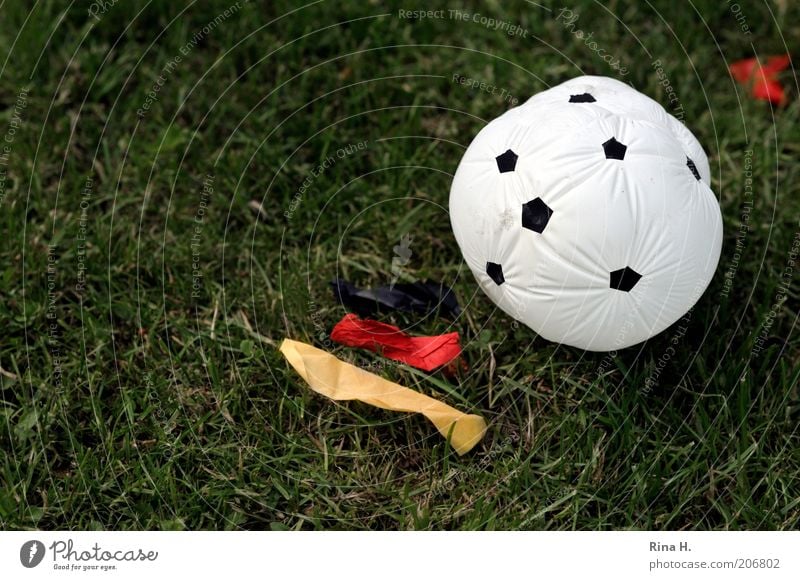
x=144, y=407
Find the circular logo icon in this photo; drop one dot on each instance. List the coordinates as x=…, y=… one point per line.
x=31, y=553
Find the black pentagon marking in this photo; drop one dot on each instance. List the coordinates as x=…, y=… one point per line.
x=535, y=215
x=506, y=161
x=624, y=279
x=614, y=149
x=693, y=168
x=582, y=98
x=495, y=272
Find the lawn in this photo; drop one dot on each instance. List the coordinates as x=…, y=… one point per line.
x=180, y=182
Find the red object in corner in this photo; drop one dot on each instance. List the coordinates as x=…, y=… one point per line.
x=422, y=352
x=762, y=78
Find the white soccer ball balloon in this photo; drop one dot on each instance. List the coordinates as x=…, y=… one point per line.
x=586, y=213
